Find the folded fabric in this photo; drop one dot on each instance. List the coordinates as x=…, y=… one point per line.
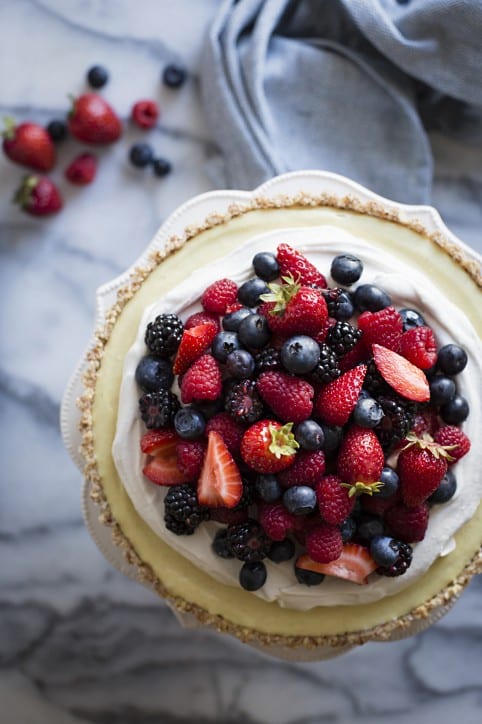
x=348, y=86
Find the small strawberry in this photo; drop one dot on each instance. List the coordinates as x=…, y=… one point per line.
x=145, y=113
x=194, y=320
x=230, y=430
x=93, y=120
x=194, y=342
x=29, y=145
x=190, y=457
x=268, y=447
x=229, y=516
x=406, y=379
x=334, y=502
x=418, y=345
x=295, y=263
x=324, y=543
x=361, y=460
x=307, y=469
x=219, y=295
x=220, y=483
x=377, y=505
x=276, y=520
x=38, y=196
x=454, y=439
x=293, y=309
x=336, y=400
x=425, y=421
x=202, y=380
x=354, y=564
x=408, y=524
x=290, y=398
x=82, y=170
x=162, y=468
x=384, y=327
x=421, y=465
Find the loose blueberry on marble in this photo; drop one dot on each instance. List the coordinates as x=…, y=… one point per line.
x=240, y=364
x=369, y=526
x=347, y=529
x=266, y=266
x=223, y=344
x=300, y=354
x=411, y=318
x=232, y=320
x=268, y=488
x=250, y=291
x=220, y=544
x=384, y=550
x=299, y=499
x=161, y=167
x=333, y=435
x=97, y=76
x=451, y=359
x=174, y=76
x=252, y=575
x=455, y=410
x=442, y=389
x=308, y=578
x=368, y=412
x=154, y=373
x=309, y=435
x=189, y=423
x=57, y=130
x=389, y=478
x=281, y=551
x=141, y=155
x=369, y=297
x=346, y=269
x=446, y=489
x=254, y=331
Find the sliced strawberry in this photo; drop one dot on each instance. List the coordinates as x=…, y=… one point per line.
x=163, y=469
x=194, y=342
x=220, y=483
x=155, y=442
x=405, y=378
x=355, y=564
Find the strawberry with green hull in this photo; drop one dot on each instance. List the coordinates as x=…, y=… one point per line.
x=38, y=196
x=268, y=446
x=28, y=144
x=421, y=465
x=291, y=309
x=93, y=120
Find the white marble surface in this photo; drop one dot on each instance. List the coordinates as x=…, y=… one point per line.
x=78, y=642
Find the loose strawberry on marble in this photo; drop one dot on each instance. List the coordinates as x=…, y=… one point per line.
x=220, y=483
x=335, y=401
x=405, y=378
x=28, y=144
x=353, y=564
x=93, y=120
x=268, y=446
x=38, y=196
x=290, y=397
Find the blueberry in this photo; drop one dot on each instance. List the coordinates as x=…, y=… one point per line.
x=232, y=320
x=57, y=130
x=344, y=308
x=220, y=544
x=141, y=155
x=154, y=373
x=346, y=269
x=223, y=344
x=442, y=389
x=451, y=359
x=254, y=331
x=161, y=167
x=281, y=551
x=347, y=529
x=97, y=76
x=308, y=578
x=455, y=410
x=368, y=412
x=390, y=481
x=240, y=364
x=250, y=291
x=368, y=527
x=268, y=488
x=266, y=265
x=333, y=435
x=300, y=354
x=370, y=297
x=252, y=575
x=299, y=499
x=174, y=76
x=309, y=435
x=384, y=550
x=446, y=488
x=189, y=423
x=411, y=318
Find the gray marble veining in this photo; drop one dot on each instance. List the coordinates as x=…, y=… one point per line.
x=79, y=643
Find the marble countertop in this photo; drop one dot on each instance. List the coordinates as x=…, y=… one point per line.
x=79, y=643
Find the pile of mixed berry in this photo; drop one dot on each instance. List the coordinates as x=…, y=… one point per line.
x=312, y=423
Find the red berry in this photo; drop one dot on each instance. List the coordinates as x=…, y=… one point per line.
x=334, y=503
x=295, y=263
x=354, y=357
x=194, y=342
x=376, y=505
x=276, y=520
x=230, y=430
x=162, y=468
x=324, y=543
x=194, y=320
x=291, y=309
x=145, y=113
x=220, y=483
x=408, y=524
x=360, y=458
x=354, y=564
x=418, y=345
x=202, y=381
x=421, y=466
x=307, y=469
x=93, y=120
x=449, y=436
x=335, y=402
x=383, y=327
x=29, y=145
x=82, y=170
x=406, y=379
x=38, y=196
x=268, y=447
x=190, y=457
x=290, y=398
x=155, y=442
x=219, y=295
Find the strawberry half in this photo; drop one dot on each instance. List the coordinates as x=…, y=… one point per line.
x=354, y=564
x=335, y=402
x=405, y=378
x=194, y=342
x=162, y=468
x=220, y=483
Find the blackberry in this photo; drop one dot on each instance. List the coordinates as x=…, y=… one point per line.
x=327, y=368
x=243, y=402
x=401, y=564
x=164, y=334
x=342, y=337
x=177, y=526
x=339, y=303
x=374, y=382
x=158, y=409
x=267, y=360
x=220, y=544
x=181, y=503
x=248, y=541
x=396, y=422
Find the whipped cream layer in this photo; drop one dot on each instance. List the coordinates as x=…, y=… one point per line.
x=408, y=288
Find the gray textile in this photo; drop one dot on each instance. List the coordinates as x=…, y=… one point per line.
x=350, y=86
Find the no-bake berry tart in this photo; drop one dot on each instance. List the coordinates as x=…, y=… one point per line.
x=280, y=418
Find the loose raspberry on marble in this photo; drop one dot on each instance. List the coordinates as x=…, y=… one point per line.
x=276, y=520
x=290, y=397
x=295, y=263
x=408, y=524
x=455, y=440
x=202, y=381
x=230, y=430
x=307, y=469
x=219, y=296
x=418, y=345
x=334, y=503
x=190, y=457
x=324, y=543
x=335, y=402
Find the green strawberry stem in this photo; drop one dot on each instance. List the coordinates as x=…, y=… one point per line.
x=281, y=294
x=360, y=487
x=282, y=440
x=9, y=131
x=23, y=194
x=426, y=442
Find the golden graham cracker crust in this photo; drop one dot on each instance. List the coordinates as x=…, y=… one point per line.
x=252, y=619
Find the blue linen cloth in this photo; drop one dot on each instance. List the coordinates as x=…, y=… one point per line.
x=350, y=86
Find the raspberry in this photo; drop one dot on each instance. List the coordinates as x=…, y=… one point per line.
x=324, y=543
x=158, y=409
x=402, y=563
x=307, y=469
x=229, y=516
x=408, y=524
x=451, y=435
x=202, y=381
x=248, y=541
x=334, y=503
x=190, y=457
x=243, y=403
x=293, y=262
x=327, y=368
x=383, y=327
x=276, y=520
x=230, y=430
x=290, y=398
x=194, y=320
x=425, y=421
x=182, y=504
x=342, y=337
x=419, y=347
x=219, y=295
x=376, y=505
x=163, y=335
x=145, y=113
x=320, y=336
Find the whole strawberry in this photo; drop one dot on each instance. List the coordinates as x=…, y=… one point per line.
x=334, y=502
x=422, y=463
x=360, y=460
x=290, y=398
x=336, y=400
x=29, y=145
x=293, y=262
x=408, y=524
x=293, y=309
x=268, y=447
x=38, y=196
x=93, y=120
